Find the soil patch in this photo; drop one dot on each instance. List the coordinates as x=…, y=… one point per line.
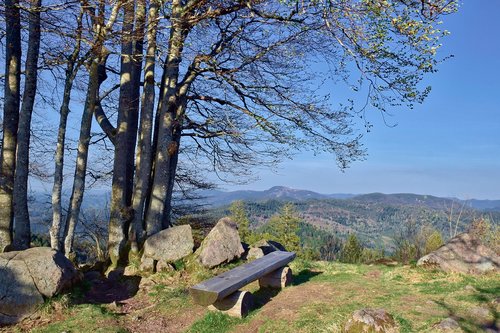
x=287, y=303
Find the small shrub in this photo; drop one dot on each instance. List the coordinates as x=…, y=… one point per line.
x=308, y=254
x=331, y=248
x=489, y=234
x=433, y=242
x=406, y=251
x=372, y=255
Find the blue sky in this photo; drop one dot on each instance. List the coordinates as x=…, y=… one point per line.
x=449, y=146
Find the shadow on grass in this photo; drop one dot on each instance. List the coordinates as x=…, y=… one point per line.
x=263, y=295
x=304, y=276
x=469, y=325
x=102, y=290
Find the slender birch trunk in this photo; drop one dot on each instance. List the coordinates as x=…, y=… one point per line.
x=22, y=231
x=71, y=71
x=10, y=120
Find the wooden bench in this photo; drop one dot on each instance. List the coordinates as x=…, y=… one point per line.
x=222, y=292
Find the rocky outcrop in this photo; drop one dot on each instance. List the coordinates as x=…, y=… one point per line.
x=27, y=277
x=462, y=254
x=371, y=321
x=222, y=244
x=263, y=247
x=169, y=245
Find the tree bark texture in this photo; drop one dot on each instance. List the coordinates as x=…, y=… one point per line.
x=123, y=168
x=10, y=120
x=71, y=70
x=97, y=75
x=22, y=231
x=167, y=147
x=144, y=149
x=82, y=157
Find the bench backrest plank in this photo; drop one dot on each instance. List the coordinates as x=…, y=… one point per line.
x=209, y=291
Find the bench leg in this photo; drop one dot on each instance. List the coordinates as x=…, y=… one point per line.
x=279, y=278
x=238, y=304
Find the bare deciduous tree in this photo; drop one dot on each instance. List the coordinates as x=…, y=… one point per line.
x=10, y=120
x=22, y=233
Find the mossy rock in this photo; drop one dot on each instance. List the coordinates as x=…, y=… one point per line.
x=371, y=321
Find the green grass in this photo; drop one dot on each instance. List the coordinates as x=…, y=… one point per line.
x=323, y=296
x=416, y=298
x=85, y=318
x=214, y=322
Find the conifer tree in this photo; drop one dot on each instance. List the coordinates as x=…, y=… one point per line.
x=239, y=215
x=285, y=226
x=352, y=251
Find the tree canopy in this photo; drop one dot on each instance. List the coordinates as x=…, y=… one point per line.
x=206, y=85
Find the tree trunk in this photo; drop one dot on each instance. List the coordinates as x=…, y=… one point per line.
x=121, y=192
x=71, y=70
x=82, y=157
x=22, y=232
x=176, y=138
x=10, y=120
x=144, y=152
x=97, y=74
x=167, y=145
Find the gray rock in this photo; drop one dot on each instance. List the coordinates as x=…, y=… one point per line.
x=169, y=245
x=26, y=277
x=462, y=254
x=162, y=266
x=482, y=314
x=371, y=320
x=448, y=325
x=263, y=247
x=470, y=288
x=221, y=245
x=147, y=265
x=255, y=253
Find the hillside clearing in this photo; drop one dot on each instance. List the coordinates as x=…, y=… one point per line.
x=323, y=296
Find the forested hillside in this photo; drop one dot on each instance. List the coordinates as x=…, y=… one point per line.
x=375, y=218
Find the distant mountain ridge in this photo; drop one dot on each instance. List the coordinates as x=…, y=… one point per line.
x=217, y=198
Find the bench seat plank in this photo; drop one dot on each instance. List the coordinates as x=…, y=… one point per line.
x=209, y=291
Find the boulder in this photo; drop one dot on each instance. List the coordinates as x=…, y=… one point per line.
x=255, y=253
x=448, y=325
x=169, y=245
x=462, y=254
x=221, y=245
x=26, y=277
x=263, y=247
x=370, y=321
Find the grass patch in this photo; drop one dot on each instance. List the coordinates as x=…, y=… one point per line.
x=322, y=298
x=214, y=322
x=85, y=318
